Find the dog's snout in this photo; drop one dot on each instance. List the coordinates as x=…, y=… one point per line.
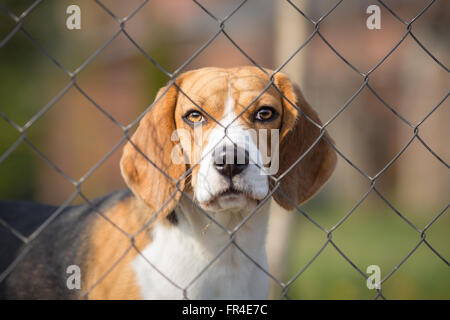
x=230, y=161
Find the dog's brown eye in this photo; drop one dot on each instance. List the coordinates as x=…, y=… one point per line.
x=265, y=114
x=193, y=117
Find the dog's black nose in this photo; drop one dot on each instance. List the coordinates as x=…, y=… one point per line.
x=230, y=161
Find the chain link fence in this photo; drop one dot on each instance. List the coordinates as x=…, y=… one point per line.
x=222, y=24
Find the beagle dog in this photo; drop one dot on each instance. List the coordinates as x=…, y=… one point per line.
x=193, y=221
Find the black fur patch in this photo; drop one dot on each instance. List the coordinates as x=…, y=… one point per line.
x=42, y=273
x=172, y=218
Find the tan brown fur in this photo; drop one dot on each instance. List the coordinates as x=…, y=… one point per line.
x=209, y=89
x=154, y=183
x=297, y=135
x=108, y=244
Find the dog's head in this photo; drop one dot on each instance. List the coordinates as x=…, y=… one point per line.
x=214, y=135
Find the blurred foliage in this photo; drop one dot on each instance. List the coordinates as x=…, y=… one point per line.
x=20, y=92
x=23, y=88
x=370, y=236
x=162, y=54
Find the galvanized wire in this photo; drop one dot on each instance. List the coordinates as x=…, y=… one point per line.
x=172, y=76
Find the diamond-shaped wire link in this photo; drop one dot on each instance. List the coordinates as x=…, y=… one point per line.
x=275, y=182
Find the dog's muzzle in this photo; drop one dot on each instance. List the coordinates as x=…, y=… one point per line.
x=230, y=161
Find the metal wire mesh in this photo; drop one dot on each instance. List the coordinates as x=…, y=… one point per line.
x=221, y=29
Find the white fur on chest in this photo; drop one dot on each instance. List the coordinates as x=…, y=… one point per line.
x=182, y=252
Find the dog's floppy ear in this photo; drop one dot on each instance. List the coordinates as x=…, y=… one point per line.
x=144, y=174
x=297, y=135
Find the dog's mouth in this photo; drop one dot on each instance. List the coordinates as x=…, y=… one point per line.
x=230, y=191
x=231, y=197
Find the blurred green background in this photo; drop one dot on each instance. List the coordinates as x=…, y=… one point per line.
x=373, y=235
x=75, y=135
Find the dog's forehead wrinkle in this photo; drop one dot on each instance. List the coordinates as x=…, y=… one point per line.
x=226, y=94
x=207, y=83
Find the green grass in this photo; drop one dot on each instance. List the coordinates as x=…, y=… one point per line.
x=372, y=235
